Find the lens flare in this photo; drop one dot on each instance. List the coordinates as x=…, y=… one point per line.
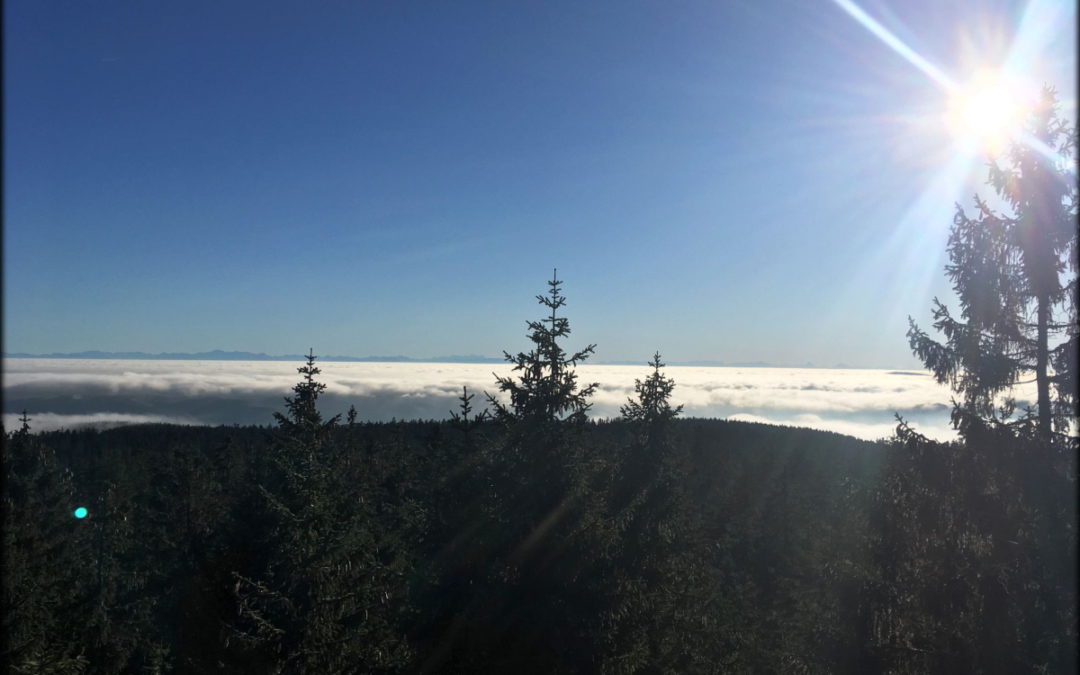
x=988, y=111
x=81, y=512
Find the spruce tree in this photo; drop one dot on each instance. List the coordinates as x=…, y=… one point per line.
x=972, y=535
x=47, y=561
x=658, y=580
x=461, y=419
x=546, y=387
x=303, y=415
x=331, y=580
x=652, y=408
x=536, y=605
x=77, y=582
x=544, y=416
x=1015, y=276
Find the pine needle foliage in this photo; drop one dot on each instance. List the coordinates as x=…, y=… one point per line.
x=301, y=412
x=546, y=388
x=46, y=554
x=653, y=404
x=326, y=594
x=539, y=473
x=972, y=535
x=1015, y=276
x=654, y=570
x=460, y=418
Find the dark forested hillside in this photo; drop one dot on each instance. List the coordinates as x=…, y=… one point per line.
x=198, y=552
x=646, y=544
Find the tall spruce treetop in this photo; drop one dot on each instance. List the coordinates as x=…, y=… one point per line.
x=302, y=413
x=1015, y=276
x=323, y=594
x=547, y=387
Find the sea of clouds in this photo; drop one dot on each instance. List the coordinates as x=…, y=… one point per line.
x=70, y=393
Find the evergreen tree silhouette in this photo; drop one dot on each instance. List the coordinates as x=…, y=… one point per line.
x=546, y=387
x=302, y=414
x=326, y=592
x=461, y=418
x=1007, y=269
x=653, y=565
x=969, y=534
x=652, y=407
x=47, y=553
x=537, y=609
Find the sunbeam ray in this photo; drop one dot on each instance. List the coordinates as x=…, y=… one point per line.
x=896, y=44
x=1047, y=152
x=1040, y=19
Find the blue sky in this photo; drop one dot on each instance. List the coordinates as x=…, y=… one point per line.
x=729, y=181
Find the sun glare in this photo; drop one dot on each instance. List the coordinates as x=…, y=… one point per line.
x=988, y=110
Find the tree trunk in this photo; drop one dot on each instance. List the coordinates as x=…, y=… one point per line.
x=1042, y=358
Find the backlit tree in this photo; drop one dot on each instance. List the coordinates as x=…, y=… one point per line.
x=1015, y=276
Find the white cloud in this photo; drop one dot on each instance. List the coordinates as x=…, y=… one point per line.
x=46, y=421
x=856, y=402
x=935, y=428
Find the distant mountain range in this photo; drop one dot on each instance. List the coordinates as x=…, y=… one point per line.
x=221, y=355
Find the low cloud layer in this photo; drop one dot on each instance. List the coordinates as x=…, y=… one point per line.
x=50, y=421
x=71, y=392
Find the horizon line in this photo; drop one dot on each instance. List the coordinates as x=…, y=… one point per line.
x=236, y=355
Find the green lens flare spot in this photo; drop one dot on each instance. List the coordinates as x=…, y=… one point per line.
x=81, y=512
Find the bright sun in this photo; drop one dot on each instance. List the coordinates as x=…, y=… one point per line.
x=988, y=110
